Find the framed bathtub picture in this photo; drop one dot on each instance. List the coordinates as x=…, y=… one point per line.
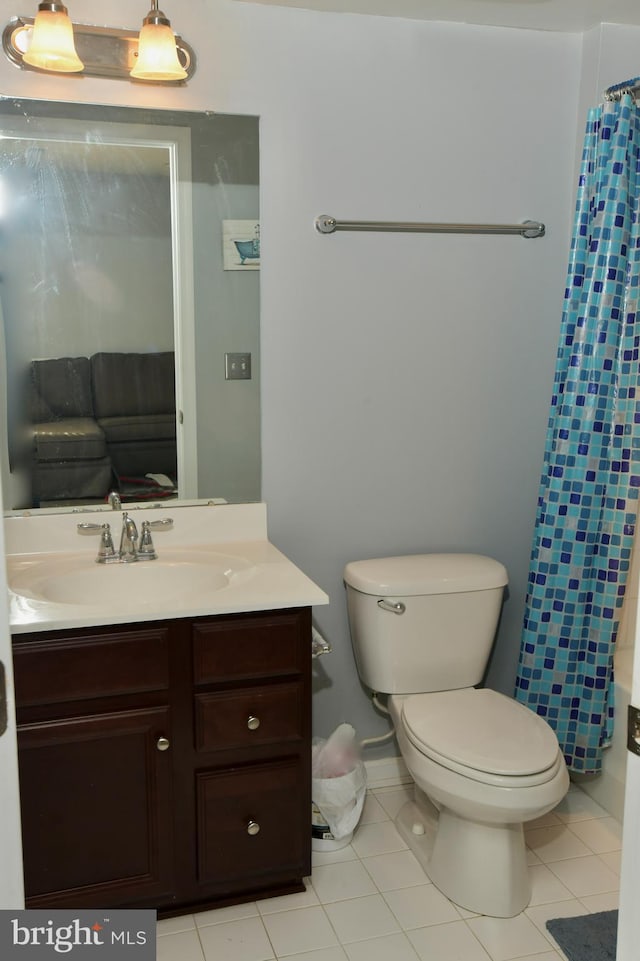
x=241, y=244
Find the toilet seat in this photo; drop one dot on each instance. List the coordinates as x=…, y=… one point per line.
x=482, y=735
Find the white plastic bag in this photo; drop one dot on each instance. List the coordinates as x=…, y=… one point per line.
x=339, y=780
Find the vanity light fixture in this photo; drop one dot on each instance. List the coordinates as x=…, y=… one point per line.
x=157, y=57
x=52, y=46
x=155, y=54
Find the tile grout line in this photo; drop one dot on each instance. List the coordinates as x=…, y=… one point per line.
x=204, y=956
x=266, y=931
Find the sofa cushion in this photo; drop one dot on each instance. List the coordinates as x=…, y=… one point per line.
x=72, y=481
x=60, y=387
x=76, y=438
x=144, y=457
x=142, y=428
x=127, y=384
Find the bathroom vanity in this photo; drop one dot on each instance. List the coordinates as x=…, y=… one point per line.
x=165, y=762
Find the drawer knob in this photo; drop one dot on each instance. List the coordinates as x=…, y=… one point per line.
x=253, y=723
x=253, y=828
x=163, y=744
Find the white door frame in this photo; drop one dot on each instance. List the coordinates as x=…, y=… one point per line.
x=11, y=879
x=627, y=949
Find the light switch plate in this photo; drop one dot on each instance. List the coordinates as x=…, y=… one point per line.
x=237, y=366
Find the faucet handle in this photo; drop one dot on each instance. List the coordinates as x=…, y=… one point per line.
x=165, y=524
x=146, y=550
x=106, y=550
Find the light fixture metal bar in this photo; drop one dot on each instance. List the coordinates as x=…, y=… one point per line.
x=104, y=51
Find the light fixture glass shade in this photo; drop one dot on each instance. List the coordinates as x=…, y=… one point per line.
x=52, y=45
x=157, y=57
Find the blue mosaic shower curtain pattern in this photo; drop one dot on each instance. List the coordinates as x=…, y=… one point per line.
x=588, y=495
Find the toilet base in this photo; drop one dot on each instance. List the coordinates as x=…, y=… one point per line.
x=481, y=867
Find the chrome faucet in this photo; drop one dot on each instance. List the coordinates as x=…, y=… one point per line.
x=130, y=548
x=114, y=500
x=128, y=540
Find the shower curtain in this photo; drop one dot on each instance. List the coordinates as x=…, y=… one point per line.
x=588, y=495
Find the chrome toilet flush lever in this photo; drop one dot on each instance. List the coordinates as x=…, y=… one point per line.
x=394, y=607
x=129, y=549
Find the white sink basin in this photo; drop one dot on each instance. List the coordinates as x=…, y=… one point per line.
x=176, y=575
x=216, y=560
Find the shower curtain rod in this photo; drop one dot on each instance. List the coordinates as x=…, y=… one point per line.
x=528, y=229
x=616, y=91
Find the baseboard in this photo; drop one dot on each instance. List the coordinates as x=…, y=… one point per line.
x=386, y=772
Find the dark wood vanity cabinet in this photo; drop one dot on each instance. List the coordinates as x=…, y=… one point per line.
x=165, y=764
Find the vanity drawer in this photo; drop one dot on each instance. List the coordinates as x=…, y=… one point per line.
x=82, y=666
x=240, y=648
x=251, y=823
x=249, y=717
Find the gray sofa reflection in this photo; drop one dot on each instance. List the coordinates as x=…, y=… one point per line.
x=101, y=422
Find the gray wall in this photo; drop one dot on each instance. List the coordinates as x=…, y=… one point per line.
x=407, y=386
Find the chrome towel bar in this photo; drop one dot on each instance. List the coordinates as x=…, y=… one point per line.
x=529, y=228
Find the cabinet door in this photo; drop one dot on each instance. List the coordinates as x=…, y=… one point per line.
x=96, y=809
x=252, y=824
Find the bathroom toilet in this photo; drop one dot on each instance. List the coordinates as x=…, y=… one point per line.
x=422, y=628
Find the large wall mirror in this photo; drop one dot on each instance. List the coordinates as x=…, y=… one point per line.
x=129, y=292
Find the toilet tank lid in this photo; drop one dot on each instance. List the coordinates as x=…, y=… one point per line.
x=417, y=574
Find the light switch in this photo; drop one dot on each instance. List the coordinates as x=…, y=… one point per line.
x=237, y=366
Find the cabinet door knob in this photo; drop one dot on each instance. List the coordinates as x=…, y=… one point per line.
x=253, y=827
x=163, y=744
x=253, y=723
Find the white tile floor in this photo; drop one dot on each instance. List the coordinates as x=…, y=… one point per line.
x=371, y=901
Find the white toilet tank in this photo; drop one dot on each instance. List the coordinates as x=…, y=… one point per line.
x=423, y=622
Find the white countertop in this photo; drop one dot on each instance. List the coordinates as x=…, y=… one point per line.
x=263, y=578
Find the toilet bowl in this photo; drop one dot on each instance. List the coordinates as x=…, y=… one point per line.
x=487, y=765
x=422, y=628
